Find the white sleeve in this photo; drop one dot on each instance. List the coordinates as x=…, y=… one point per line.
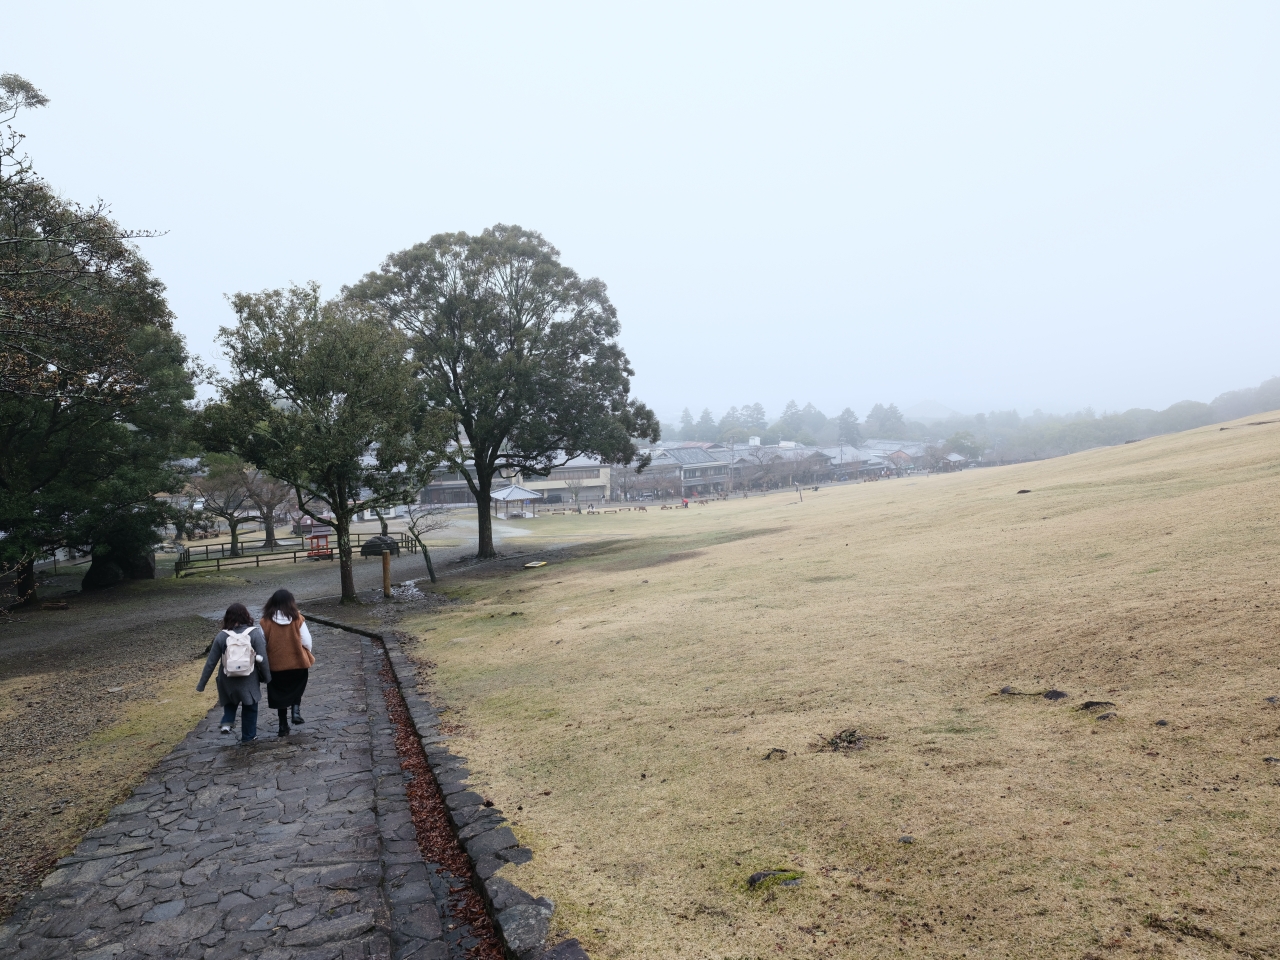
x=306, y=636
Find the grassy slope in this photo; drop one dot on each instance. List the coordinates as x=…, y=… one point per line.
x=623, y=718
x=72, y=748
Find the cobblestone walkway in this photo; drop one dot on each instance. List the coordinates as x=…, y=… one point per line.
x=290, y=848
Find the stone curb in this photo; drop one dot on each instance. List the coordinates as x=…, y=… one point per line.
x=521, y=920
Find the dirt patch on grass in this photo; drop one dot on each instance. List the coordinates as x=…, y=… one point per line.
x=85, y=714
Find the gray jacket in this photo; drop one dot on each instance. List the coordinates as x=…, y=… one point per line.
x=237, y=690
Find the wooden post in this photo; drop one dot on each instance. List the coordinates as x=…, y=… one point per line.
x=386, y=573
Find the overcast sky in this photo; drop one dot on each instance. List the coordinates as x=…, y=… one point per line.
x=986, y=205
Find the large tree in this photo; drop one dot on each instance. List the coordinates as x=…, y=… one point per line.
x=268, y=495
x=322, y=396
x=223, y=487
x=57, y=338
x=519, y=349
x=93, y=378
x=847, y=429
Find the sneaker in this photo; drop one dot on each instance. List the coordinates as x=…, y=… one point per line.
x=225, y=728
x=250, y=740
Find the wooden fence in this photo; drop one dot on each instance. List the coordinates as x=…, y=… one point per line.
x=206, y=557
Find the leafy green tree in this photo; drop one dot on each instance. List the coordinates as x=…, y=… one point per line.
x=706, y=428
x=754, y=418
x=323, y=397
x=93, y=378
x=847, y=430
x=519, y=349
x=965, y=443
x=688, y=429
x=83, y=473
x=812, y=420
x=790, y=423
x=58, y=338
x=887, y=422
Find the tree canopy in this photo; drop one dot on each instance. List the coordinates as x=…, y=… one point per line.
x=63, y=268
x=520, y=350
x=322, y=396
x=847, y=430
x=93, y=378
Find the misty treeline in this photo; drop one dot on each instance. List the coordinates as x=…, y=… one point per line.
x=1008, y=436
x=999, y=435
x=806, y=424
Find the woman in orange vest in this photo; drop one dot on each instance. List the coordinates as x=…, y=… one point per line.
x=288, y=655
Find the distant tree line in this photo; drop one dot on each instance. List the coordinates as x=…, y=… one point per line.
x=805, y=424
x=999, y=435
x=1008, y=436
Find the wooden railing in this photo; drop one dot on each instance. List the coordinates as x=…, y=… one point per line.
x=203, y=557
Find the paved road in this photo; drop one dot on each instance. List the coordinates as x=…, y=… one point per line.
x=297, y=848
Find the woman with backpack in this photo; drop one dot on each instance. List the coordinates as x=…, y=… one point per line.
x=239, y=652
x=289, y=653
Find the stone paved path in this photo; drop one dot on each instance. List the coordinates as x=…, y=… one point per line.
x=297, y=848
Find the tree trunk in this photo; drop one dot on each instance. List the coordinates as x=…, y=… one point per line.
x=24, y=587
x=426, y=555
x=484, y=531
x=342, y=526
x=268, y=530
x=235, y=537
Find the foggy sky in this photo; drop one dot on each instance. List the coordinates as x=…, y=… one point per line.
x=987, y=205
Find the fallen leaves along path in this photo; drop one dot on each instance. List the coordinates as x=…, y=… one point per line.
x=436, y=838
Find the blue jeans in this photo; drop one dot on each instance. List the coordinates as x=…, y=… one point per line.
x=248, y=719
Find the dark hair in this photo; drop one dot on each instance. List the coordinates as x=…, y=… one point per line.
x=283, y=601
x=237, y=615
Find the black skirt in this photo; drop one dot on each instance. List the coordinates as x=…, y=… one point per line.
x=285, y=688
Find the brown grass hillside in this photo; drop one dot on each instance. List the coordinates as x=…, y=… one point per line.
x=653, y=717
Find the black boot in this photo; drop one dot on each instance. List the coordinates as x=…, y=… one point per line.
x=284, y=723
x=296, y=714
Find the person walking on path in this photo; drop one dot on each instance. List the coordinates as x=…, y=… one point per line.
x=289, y=653
x=239, y=652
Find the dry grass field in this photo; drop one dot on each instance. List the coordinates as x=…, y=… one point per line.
x=653, y=716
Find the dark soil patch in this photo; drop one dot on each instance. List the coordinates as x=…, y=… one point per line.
x=638, y=558
x=846, y=741
x=642, y=563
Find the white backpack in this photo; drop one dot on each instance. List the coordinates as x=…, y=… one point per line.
x=239, y=659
